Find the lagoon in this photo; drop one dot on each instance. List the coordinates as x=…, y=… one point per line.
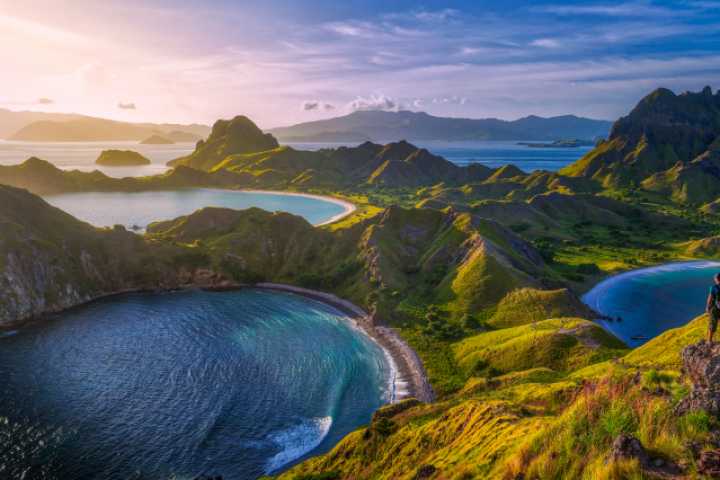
x=138, y=209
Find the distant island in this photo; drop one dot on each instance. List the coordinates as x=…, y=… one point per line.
x=55, y=127
x=180, y=136
x=121, y=158
x=380, y=126
x=157, y=140
x=329, y=137
x=570, y=143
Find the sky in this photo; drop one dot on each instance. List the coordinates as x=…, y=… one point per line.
x=282, y=62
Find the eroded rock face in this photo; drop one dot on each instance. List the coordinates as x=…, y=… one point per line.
x=701, y=365
x=709, y=463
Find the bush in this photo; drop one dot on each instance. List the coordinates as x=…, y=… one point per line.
x=588, y=269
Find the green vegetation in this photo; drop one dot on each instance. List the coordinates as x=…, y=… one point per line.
x=478, y=269
x=121, y=158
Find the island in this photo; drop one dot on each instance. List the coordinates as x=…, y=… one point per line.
x=157, y=140
x=569, y=143
x=121, y=158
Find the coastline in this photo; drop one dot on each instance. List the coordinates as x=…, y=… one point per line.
x=410, y=379
x=347, y=206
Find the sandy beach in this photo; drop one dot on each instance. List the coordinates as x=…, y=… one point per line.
x=347, y=206
x=410, y=379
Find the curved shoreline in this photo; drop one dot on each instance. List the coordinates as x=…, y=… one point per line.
x=610, y=312
x=410, y=379
x=347, y=206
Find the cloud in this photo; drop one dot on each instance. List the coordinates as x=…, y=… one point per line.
x=314, y=105
x=45, y=101
x=622, y=9
x=437, y=15
x=374, y=102
x=126, y=106
x=545, y=43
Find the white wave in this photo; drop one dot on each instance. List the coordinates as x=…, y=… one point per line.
x=298, y=440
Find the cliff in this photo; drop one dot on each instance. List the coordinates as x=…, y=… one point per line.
x=664, y=131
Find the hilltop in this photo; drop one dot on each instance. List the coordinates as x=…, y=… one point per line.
x=416, y=126
x=667, y=144
x=239, y=146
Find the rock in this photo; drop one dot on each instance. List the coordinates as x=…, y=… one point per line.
x=426, y=471
x=121, y=158
x=701, y=365
x=709, y=463
x=626, y=446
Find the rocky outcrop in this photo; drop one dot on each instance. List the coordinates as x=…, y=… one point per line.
x=662, y=130
x=701, y=366
x=121, y=158
x=228, y=137
x=628, y=447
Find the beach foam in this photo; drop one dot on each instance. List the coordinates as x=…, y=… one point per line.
x=297, y=441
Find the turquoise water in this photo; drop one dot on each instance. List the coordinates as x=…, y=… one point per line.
x=237, y=384
x=652, y=300
x=105, y=209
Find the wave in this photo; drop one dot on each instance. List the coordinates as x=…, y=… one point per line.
x=297, y=441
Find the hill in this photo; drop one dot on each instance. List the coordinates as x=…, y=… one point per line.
x=667, y=144
x=389, y=126
x=239, y=146
x=60, y=127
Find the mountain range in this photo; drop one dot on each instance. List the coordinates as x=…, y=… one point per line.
x=70, y=127
x=383, y=126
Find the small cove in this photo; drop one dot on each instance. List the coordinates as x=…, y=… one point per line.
x=652, y=300
x=138, y=209
x=237, y=384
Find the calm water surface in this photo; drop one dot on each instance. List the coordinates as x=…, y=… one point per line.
x=493, y=154
x=82, y=155
x=105, y=209
x=237, y=384
x=652, y=300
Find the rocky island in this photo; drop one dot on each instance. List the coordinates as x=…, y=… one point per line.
x=121, y=158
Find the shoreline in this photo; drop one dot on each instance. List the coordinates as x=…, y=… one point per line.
x=410, y=372
x=348, y=207
x=408, y=375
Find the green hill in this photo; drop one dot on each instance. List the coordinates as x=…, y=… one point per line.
x=663, y=130
x=228, y=137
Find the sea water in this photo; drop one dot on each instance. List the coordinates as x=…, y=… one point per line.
x=176, y=385
x=649, y=301
x=138, y=209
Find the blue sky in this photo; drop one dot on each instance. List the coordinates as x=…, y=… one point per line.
x=282, y=62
